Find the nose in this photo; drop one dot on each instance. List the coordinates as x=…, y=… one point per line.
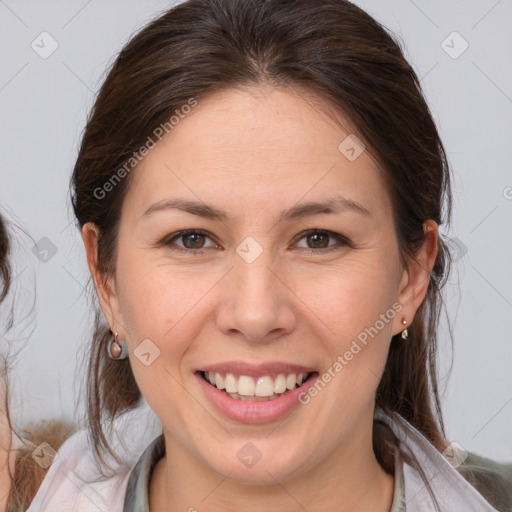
x=257, y=302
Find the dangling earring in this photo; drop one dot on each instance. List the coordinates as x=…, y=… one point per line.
x=116, y=349
x=405, y=334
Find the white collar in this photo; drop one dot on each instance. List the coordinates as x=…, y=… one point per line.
x=452, y=491
x=63, y=488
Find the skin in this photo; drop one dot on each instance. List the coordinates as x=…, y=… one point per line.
x=254, y=153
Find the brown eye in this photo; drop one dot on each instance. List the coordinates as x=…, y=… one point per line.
x=196, y=240
x=317, y=241
x=191, y=239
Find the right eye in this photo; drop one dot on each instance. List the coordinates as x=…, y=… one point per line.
x=196, y=236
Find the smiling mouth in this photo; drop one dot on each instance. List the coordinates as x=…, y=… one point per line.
x=247, y=388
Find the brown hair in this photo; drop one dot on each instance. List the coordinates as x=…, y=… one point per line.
x=330, y=47
x=28, y=474
x=5, y=269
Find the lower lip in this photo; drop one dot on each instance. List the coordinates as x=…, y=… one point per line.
x=254, y=412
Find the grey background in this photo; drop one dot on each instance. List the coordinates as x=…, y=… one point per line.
x=44, y=103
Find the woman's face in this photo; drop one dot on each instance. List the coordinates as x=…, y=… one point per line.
x=253, y=293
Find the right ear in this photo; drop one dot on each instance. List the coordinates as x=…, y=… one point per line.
x=105, y=287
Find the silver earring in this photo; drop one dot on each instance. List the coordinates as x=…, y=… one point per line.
x=405, y=334
x=117, y=349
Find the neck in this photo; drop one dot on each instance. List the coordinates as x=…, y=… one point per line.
x=350, y=479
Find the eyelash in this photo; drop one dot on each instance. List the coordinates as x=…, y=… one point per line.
x=341, y=240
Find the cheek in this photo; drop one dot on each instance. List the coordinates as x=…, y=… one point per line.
x=152, y=295
x=351, y=296
x=353, y=316
x=155, y=304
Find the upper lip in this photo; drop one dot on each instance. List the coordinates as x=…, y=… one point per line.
x=256, y=370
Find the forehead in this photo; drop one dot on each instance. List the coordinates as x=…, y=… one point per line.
x=262, y=146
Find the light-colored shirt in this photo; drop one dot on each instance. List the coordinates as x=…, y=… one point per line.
x=72, y=482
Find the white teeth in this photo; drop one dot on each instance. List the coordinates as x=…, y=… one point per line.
x=291, y=380
x=219, y=381
x=246, y=386
x=264, y=386
x=280, y=383
x=231, y=384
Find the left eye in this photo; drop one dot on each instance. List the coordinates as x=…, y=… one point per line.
x=197, y=237
x=316, y=235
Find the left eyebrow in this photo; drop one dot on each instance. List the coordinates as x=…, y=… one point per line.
x=335, y=204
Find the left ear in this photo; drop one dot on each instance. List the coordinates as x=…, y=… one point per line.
x=416, y=277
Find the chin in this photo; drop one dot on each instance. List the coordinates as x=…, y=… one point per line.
x=250, y=466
